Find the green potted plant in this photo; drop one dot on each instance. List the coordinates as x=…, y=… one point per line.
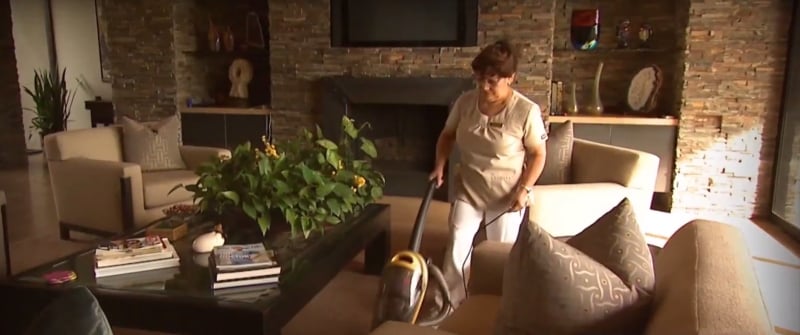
x=308, y=182
x=52, y=102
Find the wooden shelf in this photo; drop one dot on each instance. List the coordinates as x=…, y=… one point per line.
x=255, y=110
x=615, y=119
x=615, y=51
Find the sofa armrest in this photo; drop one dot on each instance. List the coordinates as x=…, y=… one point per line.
x=706, y=283
x=601, y=163
x=88, y=192
x=194, y=156
x=487, y=266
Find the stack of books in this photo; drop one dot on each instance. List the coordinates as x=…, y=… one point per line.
x=238, y=265
x=134, y=255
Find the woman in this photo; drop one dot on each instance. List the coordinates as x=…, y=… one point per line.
x=501, y=141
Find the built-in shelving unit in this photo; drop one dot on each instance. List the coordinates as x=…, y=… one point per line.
x=615, y=120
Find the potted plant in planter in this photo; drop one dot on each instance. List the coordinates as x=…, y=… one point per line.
x=52, y=102
x=308, y=183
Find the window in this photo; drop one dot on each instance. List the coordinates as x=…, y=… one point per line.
x=786, y=190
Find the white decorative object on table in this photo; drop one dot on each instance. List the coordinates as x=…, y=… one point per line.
x=206, y=242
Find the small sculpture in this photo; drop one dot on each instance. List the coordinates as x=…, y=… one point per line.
x=623, y=33
x=240, y=74
x=206, y=242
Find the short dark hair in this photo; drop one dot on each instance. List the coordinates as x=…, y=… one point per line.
x=498, y=58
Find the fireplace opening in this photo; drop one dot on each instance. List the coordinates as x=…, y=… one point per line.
x=405, y=115
x=404, y=135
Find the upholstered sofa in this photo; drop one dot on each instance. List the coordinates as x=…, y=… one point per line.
x=96, y=191
x=600, y=177
x=705, y=284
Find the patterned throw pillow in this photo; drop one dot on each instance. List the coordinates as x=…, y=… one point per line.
x=558, y=164
x=598, y=282
x=153, y=146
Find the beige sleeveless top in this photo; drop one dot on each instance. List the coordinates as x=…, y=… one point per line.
x=492, y=150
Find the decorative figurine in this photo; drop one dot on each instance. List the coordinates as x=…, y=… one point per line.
x=645, y=35
x=623, y=33
x=206, y=242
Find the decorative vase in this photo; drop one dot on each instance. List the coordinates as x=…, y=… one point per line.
x=571, y=102
x=228, y=40
x=585, y=29
x=206, y=242
x=214, y=37
x=595, y=106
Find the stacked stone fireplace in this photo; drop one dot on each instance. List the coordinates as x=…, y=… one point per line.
x=405, y=116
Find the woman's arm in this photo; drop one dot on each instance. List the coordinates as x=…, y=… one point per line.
x=444, y=146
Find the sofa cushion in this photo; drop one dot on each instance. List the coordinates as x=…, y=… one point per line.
x=402, y=328
x=154, y=146
x=475, y=316
x=598, y=282
x=158, y=184
x=558, y=164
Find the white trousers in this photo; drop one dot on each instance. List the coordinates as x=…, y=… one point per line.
x=465, y=221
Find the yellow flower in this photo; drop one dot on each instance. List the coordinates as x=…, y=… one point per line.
x=359, y=181
x=264, y=140
x=271, y=151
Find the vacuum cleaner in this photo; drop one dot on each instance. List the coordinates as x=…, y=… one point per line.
x=405, y=280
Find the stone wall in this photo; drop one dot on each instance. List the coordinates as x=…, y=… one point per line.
x=139, y=35
x=300, y=53
x=728, y=88
x=735, y=65
x=620, y=65
x=12, y=134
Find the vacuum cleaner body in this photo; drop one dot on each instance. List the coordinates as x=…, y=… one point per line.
x=405, y=280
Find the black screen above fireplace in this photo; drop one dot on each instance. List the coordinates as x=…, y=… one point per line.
x=404, y=23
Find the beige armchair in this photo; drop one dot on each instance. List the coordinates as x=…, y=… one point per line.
x=96, y=192
x=602, y=175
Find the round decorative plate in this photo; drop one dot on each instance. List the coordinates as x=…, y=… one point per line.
x=643, y=89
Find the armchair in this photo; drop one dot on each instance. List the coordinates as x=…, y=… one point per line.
x=97, y=192
x=601, y=176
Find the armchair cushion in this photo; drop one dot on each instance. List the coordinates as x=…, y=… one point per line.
x=153, y=146
x=158, y=184
x=598, y=282
x=558, y=165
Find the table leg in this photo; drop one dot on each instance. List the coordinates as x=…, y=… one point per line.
x=377, y=253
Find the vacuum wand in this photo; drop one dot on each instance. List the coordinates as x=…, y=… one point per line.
x=419, y=224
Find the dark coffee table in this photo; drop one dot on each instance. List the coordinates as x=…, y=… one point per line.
x=181, y=300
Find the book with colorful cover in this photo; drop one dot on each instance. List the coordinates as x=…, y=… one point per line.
x=236, y=257
x=130, y=246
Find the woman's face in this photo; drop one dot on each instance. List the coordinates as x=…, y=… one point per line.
x=493, y=88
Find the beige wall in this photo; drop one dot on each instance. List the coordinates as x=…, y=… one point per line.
x=30, y=42
x=75, y=39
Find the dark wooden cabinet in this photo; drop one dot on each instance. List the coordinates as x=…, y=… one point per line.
x=225, y=127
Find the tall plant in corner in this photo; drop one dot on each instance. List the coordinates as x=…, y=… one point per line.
x=52, y=102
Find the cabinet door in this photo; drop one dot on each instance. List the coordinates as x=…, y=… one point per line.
x=657, y=140
x=243, y=128
x=203, y=130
